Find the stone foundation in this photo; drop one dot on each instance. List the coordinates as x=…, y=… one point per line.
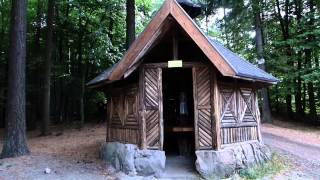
x=223, y=163
x=210, y=164
x=129, y=159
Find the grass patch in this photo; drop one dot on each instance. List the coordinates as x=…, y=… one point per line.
x=274, y=166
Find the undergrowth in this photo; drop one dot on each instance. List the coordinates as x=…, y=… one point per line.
x=274, y=166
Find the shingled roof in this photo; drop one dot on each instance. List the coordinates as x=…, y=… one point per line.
x=227, y=62
x=242, y=67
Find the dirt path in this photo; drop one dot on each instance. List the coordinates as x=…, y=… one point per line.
x=298, y=143
x=74, y=154
x=69, y=154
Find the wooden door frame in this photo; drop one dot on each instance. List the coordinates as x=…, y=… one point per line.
x=192, y=66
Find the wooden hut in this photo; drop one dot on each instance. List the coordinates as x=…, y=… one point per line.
x=179, y=90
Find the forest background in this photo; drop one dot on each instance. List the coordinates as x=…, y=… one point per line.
x=69, y=42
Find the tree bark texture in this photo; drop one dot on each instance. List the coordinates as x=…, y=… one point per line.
x=15, y=143
x=284, y=24
x=298, y=93
x=266, y=112
x=308, y=56
x=47, y=70
x=130, y=21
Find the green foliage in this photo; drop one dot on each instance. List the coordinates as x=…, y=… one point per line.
x=274, y=166
x=284, y=48
x=89, y=36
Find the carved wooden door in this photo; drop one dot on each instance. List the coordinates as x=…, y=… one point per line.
x=202, y=84
x=152, y=101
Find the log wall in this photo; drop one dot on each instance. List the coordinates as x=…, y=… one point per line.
x=123, y=119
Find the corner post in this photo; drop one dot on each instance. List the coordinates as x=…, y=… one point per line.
x=142, y=121
x=216, y=110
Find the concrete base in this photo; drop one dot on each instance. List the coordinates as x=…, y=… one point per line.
x=132, y=161
x=223, y=163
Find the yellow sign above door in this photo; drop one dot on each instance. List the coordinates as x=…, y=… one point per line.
x=175, y=64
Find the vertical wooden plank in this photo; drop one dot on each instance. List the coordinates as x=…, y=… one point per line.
x=108, y=118
x=175, y=45
x=258, y=115
x=142, y=125
x=161, y=130
x=195, y=101
x=213, y=118
x=216, y=110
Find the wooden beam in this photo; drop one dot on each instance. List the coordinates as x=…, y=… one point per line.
x=216, y=110
x=154, y=40
x=258, y=116
x=184, y=65
x=161, y=130
x=175, y=45
x=200, y=39
x=212, y=104
x=236, y=125
x=141, y=41
x=142, y=125
x=170, y=7
x=195, y=104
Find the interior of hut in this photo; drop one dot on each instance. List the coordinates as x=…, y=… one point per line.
x=178, y=111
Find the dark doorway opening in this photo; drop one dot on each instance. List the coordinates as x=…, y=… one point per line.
x=178, y=112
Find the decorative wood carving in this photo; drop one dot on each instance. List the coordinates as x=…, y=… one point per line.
x=117, y=114
x=238, y=113
x=123, y=121
x=228, y=105
x=131, y=108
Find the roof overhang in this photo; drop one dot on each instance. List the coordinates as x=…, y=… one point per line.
x=142, y=44
x=156, y=29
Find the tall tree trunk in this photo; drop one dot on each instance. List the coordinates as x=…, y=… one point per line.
x=81, y=72
x=36, y=74
x=266, y=112
x=298, y=96
x=317, y=62
x=2, y=68
x=15, y=141
x=310, y=88
x=225, y=27
x=130, y=21
x=82, y=90
x=284, y=24
x=47, y=70
x=308, y=56
x=304, y=99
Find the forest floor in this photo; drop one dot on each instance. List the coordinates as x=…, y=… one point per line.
x=69, y=153
x=298, y=143
x=74, y=154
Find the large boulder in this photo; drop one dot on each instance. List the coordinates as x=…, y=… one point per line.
x=215, y=164
x=223, y=163
x=150, y=162
x=129, y=159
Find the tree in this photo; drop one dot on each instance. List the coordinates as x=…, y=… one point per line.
x=130, y=21
x=308, y=59
x=15, y=141
x=298, y=95
x=266, y=112
x=47, y=70
x=285, y=29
